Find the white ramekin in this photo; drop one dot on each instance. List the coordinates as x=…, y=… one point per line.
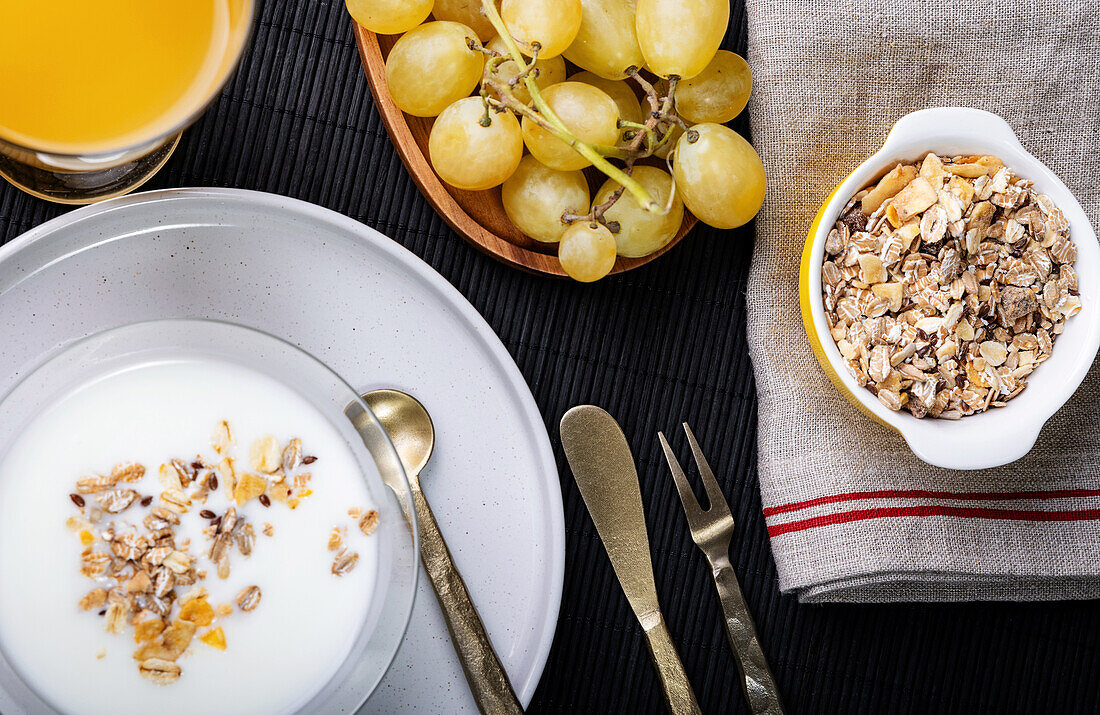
x=998, y=436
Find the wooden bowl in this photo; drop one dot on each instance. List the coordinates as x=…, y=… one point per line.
x=477, y=216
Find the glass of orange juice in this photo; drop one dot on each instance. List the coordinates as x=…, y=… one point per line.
x=94, y=94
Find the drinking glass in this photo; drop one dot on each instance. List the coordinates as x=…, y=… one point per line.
x=68, y=173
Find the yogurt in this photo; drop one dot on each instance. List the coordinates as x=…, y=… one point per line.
x=277, y=656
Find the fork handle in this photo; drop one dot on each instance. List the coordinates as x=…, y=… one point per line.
x=760, y=689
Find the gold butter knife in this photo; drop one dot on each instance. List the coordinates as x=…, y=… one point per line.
x=602, y=464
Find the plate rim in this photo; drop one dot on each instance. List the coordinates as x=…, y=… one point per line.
x=426, y=275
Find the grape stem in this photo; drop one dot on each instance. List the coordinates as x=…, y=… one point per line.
x=550, y=121
x=658, y=117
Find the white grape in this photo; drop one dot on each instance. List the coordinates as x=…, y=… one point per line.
x=640, y=232
x=536, y=197
x=431, y=67
x=719, y=175
x=607, y=42
x=587, y=251
x=389, y=17
x=551, y=23
x=680, y=37
x=470, y=156
x=588, y=113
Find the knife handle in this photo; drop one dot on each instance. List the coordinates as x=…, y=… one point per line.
x=760, y=689
x=678, y=693
x=488, y=681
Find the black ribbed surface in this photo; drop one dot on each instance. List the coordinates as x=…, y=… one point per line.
x=659, y=345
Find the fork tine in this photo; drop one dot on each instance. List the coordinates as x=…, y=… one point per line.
x=691, y=505
x=714, y=492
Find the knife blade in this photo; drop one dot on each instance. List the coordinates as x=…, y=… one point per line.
x=603, y=467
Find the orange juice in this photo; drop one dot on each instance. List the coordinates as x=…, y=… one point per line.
x=94, y=76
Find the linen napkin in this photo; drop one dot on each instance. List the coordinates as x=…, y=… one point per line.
x=852, y=515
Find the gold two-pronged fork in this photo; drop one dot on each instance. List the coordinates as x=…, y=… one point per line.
x=712, y=531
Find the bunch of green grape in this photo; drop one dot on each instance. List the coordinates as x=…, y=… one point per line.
x=652, y=82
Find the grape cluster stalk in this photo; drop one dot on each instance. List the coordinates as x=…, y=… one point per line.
x=644, y=138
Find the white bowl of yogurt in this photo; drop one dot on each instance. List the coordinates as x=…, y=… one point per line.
x=245, y=481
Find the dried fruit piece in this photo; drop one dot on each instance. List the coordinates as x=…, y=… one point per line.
x=228, y=469
x=222, y=439
x=214, y=638
x=888, y=186
x=871, y=268
x=969, y=171
x=265, y=455
x=911, y=201
x=279, y=492
x=76, y=524
x=147, y=631
x=197, y=611
x=249, y=486
x=94, y=599
x=892, y=292
x=993, y=352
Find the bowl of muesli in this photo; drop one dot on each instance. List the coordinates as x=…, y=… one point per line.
x=948, y=289
x=197, y=516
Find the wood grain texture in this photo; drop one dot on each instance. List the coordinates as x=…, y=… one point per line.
x=477, y=216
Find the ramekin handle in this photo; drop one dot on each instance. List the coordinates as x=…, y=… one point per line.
x=958, y=445
x=953, y=124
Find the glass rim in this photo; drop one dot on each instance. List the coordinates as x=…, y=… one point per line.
x=245, y=36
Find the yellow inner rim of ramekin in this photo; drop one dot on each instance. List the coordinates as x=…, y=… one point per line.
x=808, y=264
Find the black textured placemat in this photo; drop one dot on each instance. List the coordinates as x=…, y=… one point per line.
x=656, y=346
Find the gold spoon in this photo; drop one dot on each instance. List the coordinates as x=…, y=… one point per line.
x=410, y=429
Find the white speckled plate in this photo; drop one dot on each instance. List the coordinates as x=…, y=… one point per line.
x=377, y=315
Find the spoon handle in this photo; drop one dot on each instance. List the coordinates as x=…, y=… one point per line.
x=488, y=681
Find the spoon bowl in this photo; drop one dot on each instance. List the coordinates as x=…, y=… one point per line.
x=409, y=426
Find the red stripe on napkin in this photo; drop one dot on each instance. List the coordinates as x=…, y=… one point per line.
x=934, y=510
x=929, y=494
